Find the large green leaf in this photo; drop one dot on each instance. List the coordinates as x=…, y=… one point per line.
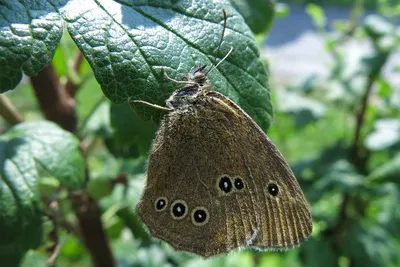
x=55, y=151
x=127, y=43
x=20, y=216
x=27, y=152
x=29, y=34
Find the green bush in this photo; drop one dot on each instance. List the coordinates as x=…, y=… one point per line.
x=74, y=153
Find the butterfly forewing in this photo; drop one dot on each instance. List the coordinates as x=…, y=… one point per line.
x=205, y=169
x=215, y=182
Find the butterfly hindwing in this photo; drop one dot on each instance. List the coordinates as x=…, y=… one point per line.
x=285, y=219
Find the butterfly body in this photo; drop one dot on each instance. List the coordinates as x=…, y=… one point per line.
x=215, y=182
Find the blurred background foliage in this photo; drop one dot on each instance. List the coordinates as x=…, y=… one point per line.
x=340, y=134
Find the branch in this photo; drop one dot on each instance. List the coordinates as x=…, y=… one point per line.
x=55, y=103
x=8, y=111
x=94, y=237
x=355, y=155
x=340, y=226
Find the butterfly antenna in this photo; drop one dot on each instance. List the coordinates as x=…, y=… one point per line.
x=223, y=30
x=219, y=46
x=222, y=60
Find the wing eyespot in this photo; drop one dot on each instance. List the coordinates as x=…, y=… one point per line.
x=200, y=216
x=239, y=185
x=179, y=209
x=160, y=204
x=224, y=184
x=273, y=189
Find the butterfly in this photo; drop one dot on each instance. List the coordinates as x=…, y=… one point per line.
x=215, y=181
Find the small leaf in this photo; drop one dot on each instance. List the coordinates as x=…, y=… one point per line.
x=342, y=175
x=34, y=259
x=98, y=121
x=385, y=89
x=372, y=64
x=386, y=134
x=29, y=35
x=49, y=187
x=305, y=110
x=99, y=188
x=377, y=26
x=388, y=172
x=317, y=15
x=282, y=10
x=257, y=14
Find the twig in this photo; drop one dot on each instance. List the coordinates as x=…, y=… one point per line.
x=71, y=85
x=70, y=228
x=94, y=237
x=339, y=228
x=54, y=101
x=8, y=111
x=120, y=179
x=53, y=235
x=355, y=156
x=56, y=250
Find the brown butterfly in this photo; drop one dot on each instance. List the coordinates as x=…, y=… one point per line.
x=215, y=181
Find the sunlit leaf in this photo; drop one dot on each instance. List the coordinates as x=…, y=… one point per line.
x=386, y=134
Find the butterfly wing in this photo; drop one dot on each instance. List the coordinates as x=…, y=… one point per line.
x=209, y=180
x=285, y=219
x=191, y=200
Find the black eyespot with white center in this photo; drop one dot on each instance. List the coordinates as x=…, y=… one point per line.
x=179, y=209
x=161, y=203
x=238, y=184
x=225, y=184
x=200, y=216
x=273, y=189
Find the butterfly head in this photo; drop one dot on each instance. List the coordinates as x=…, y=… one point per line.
x=198, y=76
x=185, y=97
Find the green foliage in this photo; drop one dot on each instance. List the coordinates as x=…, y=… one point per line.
x=126, y=59
x=350, y=177
x=28, y=40
x=30, y=151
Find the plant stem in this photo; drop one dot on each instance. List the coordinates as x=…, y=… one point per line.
x=56, y=104
x=71, y=85
x=355, y=155
x=94, y=237
x=8, y=111
x=338, y=230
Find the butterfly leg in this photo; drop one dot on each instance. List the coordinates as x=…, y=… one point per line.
x=151, y=105
x=173, y=80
